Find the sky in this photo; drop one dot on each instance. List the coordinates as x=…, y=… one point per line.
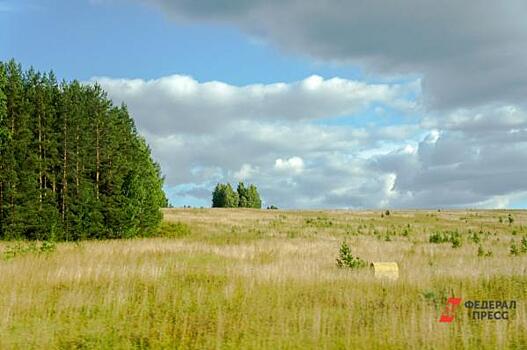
x=321, y=104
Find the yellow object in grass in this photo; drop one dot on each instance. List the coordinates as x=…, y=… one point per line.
x=388, y=270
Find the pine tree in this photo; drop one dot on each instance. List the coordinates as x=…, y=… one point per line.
x=243, y=196
x=224, y=196
x=3, y=108
x=254, y=200
x=4, y=136
x=14, y=91
x=72, y=165
x=231, y=197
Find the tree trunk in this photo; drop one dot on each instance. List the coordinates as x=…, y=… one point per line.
x=98, y=159
x=64, y=173
x=40, y=160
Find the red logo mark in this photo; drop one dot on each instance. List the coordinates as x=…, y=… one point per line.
x=448, y=315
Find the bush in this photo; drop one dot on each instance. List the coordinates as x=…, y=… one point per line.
x=174, y=230
x=444, y=237
x=456, y=241
x=319, y=221
x=475, y=238
x=483, y=253
x=21, y=248
x=346, y=259
x=523, y=245
x=514, y=249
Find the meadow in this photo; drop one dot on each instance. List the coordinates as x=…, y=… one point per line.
x=267, y=279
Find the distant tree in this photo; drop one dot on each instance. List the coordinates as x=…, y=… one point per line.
x=254, y=198
x=224, y=196
x=248, y=196
x=232, y=200
x=243, y=196
x=217, y=196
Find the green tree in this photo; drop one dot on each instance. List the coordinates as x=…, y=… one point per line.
x=4, y=135
x=224, y=196
x=3, y=108
x=254, y=198
x=72, y=166
x=243, y=196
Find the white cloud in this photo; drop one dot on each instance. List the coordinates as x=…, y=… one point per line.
x=204, y=133
x=293, y=165
x=179, y=103
x=467, y=52
x=246, y=172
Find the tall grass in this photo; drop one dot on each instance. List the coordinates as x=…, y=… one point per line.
x=249, y=279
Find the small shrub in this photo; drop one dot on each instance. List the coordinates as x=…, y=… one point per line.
x=511, y=219
x=48, y=247
x=319, y=222
x=444, y=237
x=18, y=249
x=456, y=241
x=523, y=245
x=21, y=248
x=174, y=230
x=387, y=213
x=475, y=238
x=483, y=253
x=437, y=237
x=514, y=249
x=346, y=259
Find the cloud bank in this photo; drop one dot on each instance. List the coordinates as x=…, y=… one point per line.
x=467, y=52
x=463, y=141
x=280, y=136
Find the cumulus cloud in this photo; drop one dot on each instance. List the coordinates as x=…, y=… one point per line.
x=468, y=52
x=246, y=172
x=483, y=119
x=179, y=103
x=204, y=133
x=466, y=63
x=293, y=165
x=458, y=168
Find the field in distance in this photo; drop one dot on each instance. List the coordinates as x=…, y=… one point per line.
x=250, y=279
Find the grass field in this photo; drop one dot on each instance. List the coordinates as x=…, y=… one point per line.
x=250, y=279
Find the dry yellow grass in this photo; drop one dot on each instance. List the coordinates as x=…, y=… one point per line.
x=267, y=279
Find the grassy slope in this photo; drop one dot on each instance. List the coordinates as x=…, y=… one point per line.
x=267, y=279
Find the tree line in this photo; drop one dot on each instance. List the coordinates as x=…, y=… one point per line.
x=72, y=165
x=224, y=196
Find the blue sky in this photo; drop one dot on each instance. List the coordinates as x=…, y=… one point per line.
x=82, y=39
x=348, y=106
